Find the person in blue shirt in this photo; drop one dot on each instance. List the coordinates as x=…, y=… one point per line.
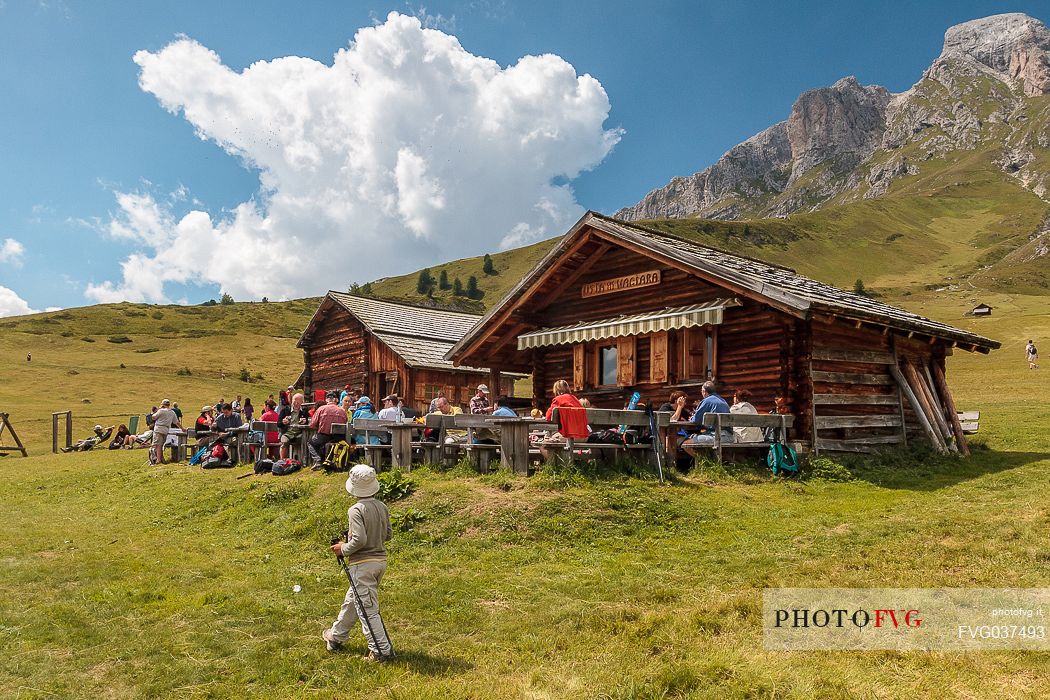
x=711, y=403
x=502, y=410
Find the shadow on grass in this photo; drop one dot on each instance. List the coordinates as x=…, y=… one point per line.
x=428, y=664
x=921, y=470
x=916, y=468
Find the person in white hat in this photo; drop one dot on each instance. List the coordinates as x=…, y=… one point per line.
x=480, y=404
x=365, y=554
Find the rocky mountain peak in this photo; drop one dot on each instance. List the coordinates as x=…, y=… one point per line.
x=1013, y=45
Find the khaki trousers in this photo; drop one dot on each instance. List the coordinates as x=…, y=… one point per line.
x=366, y=576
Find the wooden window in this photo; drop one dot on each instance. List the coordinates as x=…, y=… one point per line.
x=430, y=391
x=607, y=365
x=699, y=353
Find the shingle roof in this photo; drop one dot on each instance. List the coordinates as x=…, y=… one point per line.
x=421, y=336
x=777, y=284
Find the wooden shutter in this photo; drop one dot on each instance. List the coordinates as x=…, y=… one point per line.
x=625, y=374
x=693, y=361
x=658, y=358
x=579, y=366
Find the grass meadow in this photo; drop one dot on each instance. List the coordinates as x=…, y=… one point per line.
x=122, y=580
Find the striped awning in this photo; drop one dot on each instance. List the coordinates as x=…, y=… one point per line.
x=709, y=313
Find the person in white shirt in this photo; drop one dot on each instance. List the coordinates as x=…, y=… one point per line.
x=391, y=409
x=164, y=419
x=742, y=405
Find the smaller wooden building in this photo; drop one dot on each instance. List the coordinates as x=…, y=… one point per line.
x=383, y=347
x=980, y=310
x=616, y=308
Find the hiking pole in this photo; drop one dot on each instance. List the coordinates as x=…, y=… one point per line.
x=361, y=612
x=655, y=433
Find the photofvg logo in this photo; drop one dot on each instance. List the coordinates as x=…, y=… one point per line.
x=905, y=618
x=841, y=617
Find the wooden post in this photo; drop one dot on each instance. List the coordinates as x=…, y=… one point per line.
x=917, y=407
x=718, y=436
x=942, y=386
x=401, y=446
x=938, y=405
x=5, y=422
x=514, y=445
x=495, y=390
x=54, y=429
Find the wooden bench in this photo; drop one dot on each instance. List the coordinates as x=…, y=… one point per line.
x=604, y=419
x=436, y=451
x=479, y=454
x=265, y=447
x=970, y=420
x=719, y=422
x=398, y=446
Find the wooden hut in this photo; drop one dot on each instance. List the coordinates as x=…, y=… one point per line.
x=615, y=307
x=383, y=348
x=980, y=310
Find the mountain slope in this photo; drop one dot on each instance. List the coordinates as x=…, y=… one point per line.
x=986, y=93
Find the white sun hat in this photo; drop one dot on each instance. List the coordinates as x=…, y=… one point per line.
x=362, y=481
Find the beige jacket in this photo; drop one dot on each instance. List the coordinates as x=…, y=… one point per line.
x=369, y=530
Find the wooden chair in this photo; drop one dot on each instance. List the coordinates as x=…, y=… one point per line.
x=266, y=448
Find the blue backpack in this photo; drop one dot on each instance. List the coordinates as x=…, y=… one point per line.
x=199, y=457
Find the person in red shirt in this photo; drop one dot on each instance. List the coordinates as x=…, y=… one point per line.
x=272, y=436
x=571, y=423
x=322, y=421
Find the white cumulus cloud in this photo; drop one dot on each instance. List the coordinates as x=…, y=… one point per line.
x=11, y=252
x=406, y=151
x=13, y=305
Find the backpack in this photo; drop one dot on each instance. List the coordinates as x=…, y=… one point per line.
x=199, y=457
x=286, y=466
x=338, y=456
x=263, y=466
x=782, y=458
x=218, y=450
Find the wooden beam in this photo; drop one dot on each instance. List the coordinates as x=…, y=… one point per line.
x=851, y=378
x=855, y=399
x=949, y=403
x=859, y=445
x=924, y=420
x=592, y=258
x=841, y=355
x=887, y=421
x=926, y=398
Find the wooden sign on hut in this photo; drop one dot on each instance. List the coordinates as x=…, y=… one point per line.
x=616, y=308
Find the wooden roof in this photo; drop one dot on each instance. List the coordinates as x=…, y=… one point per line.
x=778, y=286
x=421, y=336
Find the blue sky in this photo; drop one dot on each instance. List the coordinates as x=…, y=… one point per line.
x=684, y=82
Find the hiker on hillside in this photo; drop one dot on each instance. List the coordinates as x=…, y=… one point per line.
x=365, y=555
x=1032, y=354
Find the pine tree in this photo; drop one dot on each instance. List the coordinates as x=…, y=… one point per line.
x=457, y=287
x=487, y=267
x=472, y=288
x=366, y=289
x=443, y=282
x=426, y=281
x=226, y=299
x=859, y=288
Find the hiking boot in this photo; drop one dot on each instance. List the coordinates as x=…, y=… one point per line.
x=375, y=658
x=317, y=467
x=330, y=643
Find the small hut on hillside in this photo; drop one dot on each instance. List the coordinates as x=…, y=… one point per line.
x=980, y=310
x=616, y=308
x=384, y=347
